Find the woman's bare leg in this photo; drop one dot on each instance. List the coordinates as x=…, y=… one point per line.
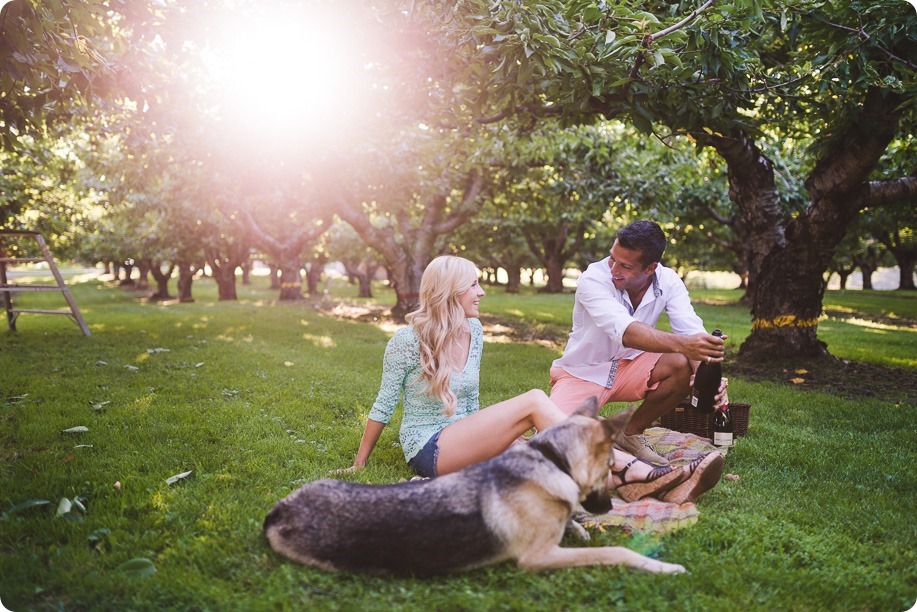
x=489, y=432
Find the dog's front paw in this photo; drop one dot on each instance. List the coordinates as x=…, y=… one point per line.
x=671, y=568
x=576, y=529
x=661, y=567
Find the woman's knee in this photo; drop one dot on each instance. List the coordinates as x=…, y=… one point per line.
x=536, y=395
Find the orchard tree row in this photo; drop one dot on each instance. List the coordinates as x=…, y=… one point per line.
x=771, y=138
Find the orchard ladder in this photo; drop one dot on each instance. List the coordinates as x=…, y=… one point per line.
x=7, y=289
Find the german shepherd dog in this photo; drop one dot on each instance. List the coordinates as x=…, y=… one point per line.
x=514, y=506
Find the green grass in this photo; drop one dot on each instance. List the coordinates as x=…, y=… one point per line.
x=257, y=398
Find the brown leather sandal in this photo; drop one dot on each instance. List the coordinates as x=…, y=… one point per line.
x=657, y=482
x=704, y=473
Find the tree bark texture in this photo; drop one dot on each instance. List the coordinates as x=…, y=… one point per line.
x=788, y=256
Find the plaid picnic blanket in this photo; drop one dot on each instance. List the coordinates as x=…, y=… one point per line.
x=653, y=515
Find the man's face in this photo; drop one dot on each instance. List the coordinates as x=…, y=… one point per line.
x=627, y=270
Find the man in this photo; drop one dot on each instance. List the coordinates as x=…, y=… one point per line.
x=616, y=352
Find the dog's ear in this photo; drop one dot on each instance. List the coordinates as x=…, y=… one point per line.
x=614, y=425
x=589, y=408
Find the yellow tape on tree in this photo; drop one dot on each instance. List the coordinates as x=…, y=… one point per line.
x=784, y=321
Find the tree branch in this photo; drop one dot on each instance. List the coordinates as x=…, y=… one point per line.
x=681, y=23
x=890, y=191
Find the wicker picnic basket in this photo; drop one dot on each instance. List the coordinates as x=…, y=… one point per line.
x=685, y=418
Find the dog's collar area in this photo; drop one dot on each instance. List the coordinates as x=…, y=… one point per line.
x=550, y=453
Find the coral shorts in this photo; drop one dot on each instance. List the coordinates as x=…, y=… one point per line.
x=631, y=383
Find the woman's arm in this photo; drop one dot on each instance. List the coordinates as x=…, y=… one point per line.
x=367, y=443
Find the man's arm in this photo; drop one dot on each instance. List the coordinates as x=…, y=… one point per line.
x=696, y=347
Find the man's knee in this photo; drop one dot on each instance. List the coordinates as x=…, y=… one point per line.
x=674, y=367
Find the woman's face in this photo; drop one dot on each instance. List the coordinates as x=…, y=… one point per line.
x=470, y=299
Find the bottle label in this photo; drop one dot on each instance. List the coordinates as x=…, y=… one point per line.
x=694, y=401
x=722, y=438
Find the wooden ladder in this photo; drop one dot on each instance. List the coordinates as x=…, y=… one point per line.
x=7, y=289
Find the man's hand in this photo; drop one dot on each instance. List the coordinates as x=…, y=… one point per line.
x=704, y=347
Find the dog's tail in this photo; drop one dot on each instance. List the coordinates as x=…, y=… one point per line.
x=273, y=517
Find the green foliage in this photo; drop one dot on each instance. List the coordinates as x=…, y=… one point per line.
x=256, y=398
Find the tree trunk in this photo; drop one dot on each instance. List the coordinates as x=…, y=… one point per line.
x=128, y=271
x=162, y=280
x=290, y=281
x=223, y=261
x=143, y=273
x=275, y=276
x=185, y=279
x=407, y=247
x=247, y=272
x=906, y=270
x=842, y=276
x=225, y=277
x=513, y=279
x=361, y=274
x=789, y=256
x=314, y=272
x=555, y=270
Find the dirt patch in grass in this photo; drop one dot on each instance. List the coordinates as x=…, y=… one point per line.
x=848, y=379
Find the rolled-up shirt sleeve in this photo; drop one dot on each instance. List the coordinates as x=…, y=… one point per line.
x=682, y=317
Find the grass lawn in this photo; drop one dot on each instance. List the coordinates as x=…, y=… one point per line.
x=256, y=398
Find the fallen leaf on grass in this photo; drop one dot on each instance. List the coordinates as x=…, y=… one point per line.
x=173, y=479
x=64, y=506
x=800, y=371
x=132, y=368
x=101, y=363
x=797, y=381
x=83, y=446
x=139, y=567
x=197, y=365
x=68, y=459
x=77, y=429
x=288, y=363
x=731, y=476
x=100, y=405
x=29, y=503
x=156, y=350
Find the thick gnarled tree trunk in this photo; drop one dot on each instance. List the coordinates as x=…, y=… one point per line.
x=789, y=256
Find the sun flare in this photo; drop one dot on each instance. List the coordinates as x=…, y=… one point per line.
x=286, y=76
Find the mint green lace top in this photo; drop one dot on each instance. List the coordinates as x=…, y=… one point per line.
x=423, y=414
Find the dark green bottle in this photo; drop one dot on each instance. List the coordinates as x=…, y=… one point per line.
x=706, y=383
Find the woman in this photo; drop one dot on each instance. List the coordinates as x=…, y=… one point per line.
x=434, y=363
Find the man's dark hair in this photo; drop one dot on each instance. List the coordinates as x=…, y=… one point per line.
x=646, y=237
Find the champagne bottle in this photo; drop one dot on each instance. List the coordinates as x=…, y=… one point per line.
x=706, y=383
x=723, y=427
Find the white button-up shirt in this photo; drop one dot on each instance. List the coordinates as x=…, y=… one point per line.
x=601, y=314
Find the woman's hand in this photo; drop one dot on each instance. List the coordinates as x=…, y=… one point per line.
x=344, y=471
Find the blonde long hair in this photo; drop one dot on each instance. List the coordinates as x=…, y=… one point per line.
x=439, y=323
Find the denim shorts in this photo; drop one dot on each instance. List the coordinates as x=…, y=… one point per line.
x=424, y=462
